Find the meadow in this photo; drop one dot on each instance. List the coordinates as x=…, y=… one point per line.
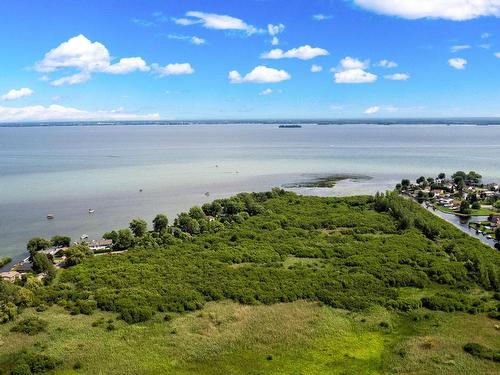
x=266, y=283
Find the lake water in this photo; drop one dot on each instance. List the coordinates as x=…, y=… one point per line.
x=65, y=170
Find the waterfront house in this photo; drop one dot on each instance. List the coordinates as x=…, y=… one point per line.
x=96, y=245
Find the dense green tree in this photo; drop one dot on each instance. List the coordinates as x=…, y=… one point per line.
x=420, y=179
x=124, y=240
x=63, y=241
x=139, y=227
x=465, y=207
x=187, y=224
x=196, y=213
x=160, y=223
x=41, y=263
x=476, y=205
x=212, y=209
x=405, y=183
x=113, y=236
x=76, y=254
x=37, y=244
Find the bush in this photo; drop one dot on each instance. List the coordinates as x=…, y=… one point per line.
x=477, y=350
x=30, y=326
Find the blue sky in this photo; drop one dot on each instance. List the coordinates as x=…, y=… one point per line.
x=248, y=59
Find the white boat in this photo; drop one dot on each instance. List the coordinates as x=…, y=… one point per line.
x=91, y=210
x=50, y=216
x=84, y=236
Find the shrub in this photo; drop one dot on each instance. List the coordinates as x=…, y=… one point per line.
x=30, y=326
x=477, y=350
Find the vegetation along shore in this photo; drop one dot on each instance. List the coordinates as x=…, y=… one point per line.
x=260, y=283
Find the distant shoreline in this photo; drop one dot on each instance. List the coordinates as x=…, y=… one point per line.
x=477, y=121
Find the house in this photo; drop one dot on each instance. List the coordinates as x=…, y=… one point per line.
x=10, y=276
x=52, y=251
x=96, y=245
x=24, y=267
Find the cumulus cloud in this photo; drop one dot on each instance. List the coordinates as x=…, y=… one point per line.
x=128, y=65
x=460, y=47
x=497, y=55
x=457, y=63
x=260, y=74
x=372, y=110
x=316, y=68
x=274, y=30
x=216, y=21
x=303, y=53
x=322, y=17
x=398, y=77
x=485, y=35
x=56, y=112
x=173, y=69
x=17, y=93
x=386, y=64
x=352, y=70
x=86, y=58
x=456, y=10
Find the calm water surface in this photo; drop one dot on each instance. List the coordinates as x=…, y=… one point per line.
x=67, y=170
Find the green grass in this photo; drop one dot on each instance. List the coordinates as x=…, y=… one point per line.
x=479, y=212
x=294, y=338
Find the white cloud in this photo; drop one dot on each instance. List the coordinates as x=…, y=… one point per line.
x=372, y=110
x=485, y=35
x=191, y=39
x=196, y=40
x=459, y=47
x=173, y=69
x=72, y=80
x=260, y=74
x=303, y=53
x=216, y=21
x=268, y=92
x=456, y=10
x=457, y=63
x=354, y=76
x=17, y=93
x=497, y=55
x=398, y=77
x=316, y=68
x=350, y=63
x=56, y=112
x=386, y=64
x=322, y=17
x=86, y=57
x=274, y=30
x=484, y=46
x=352, y=70
x=128, y=65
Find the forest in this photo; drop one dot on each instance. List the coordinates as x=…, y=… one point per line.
x=355, y=254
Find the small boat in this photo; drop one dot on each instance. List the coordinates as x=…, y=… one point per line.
x=207, y=194
x=84, y=236
x=489, y=237
x=50, y=216
x=91, y=210
x=140, y=190
x=289, y=126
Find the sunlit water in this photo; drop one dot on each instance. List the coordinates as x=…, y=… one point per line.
x=67, y=170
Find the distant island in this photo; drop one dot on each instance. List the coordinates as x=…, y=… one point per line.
x=273, y=281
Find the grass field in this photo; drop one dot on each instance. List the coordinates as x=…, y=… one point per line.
x=294, y=338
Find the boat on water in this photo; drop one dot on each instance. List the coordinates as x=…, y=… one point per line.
x=84, y=236
x=50, y=216
x=207, y=194
x=91, y=210
x=289, y=126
